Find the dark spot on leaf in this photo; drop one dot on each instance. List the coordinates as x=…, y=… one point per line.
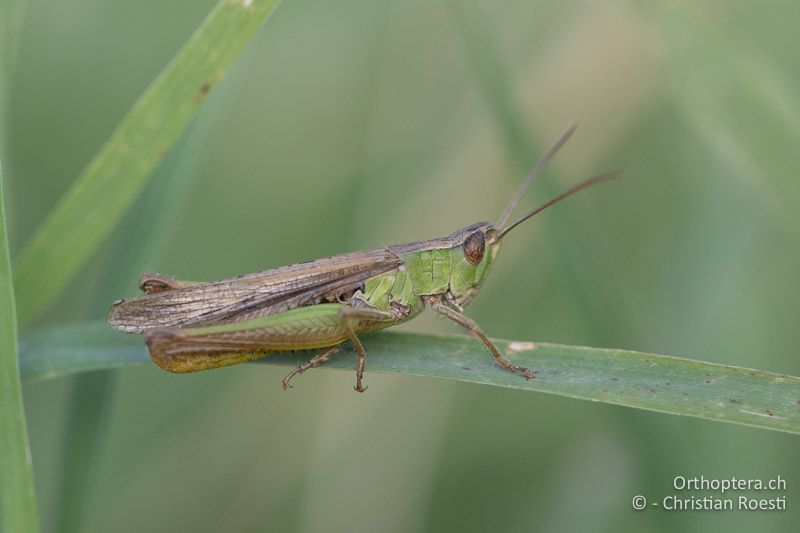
x=605, y=390
x=202, y=92
x=797, y=402
x=466, y=368
x=734, y=400
x=668, y=383
x=709, y=381
x=769, y=412
x=614, y=379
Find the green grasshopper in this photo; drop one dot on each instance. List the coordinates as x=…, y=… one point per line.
x=320, y=304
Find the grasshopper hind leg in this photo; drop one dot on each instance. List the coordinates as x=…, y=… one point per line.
x=314, y=362
x=323, y=326
x=154, y=283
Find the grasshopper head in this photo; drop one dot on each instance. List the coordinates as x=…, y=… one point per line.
x=480, y=243
x=475, y=250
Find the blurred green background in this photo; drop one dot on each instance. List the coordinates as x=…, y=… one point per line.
x=359, y=123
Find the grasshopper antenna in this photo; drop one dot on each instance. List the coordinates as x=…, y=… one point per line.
x=608, y=176
x=535, y=171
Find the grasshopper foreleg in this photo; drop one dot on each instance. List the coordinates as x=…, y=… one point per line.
x=474, y=328
x=315, y=361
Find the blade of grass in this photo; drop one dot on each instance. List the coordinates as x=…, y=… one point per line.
x=18, y=510
x=737, y=97
x=96, y=201
x=644, y=381
x=92, y=393
x=494, y=81
x=493, y=78
x=11, y=14
x=89, y=409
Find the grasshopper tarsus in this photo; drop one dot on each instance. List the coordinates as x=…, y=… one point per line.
x=360, y=375
x=527, y=373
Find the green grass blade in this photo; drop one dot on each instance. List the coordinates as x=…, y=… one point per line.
x=493, y=79
x=17, y=497
x=496, y=85
x=93, y=392
x=632, y=379
x=89, y=411
x=63, y=350
x=746, y=109
x=96, y=201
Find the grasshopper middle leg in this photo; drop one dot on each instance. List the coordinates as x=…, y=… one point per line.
x=315, y=361
x=348, y=314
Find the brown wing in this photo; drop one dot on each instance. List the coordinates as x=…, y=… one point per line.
x=252, y=295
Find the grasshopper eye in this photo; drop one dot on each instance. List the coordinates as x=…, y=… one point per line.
x=474, y=247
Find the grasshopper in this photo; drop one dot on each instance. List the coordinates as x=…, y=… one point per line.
x=320, y=304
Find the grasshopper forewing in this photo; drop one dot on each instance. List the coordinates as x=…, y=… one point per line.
x=320, y=304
